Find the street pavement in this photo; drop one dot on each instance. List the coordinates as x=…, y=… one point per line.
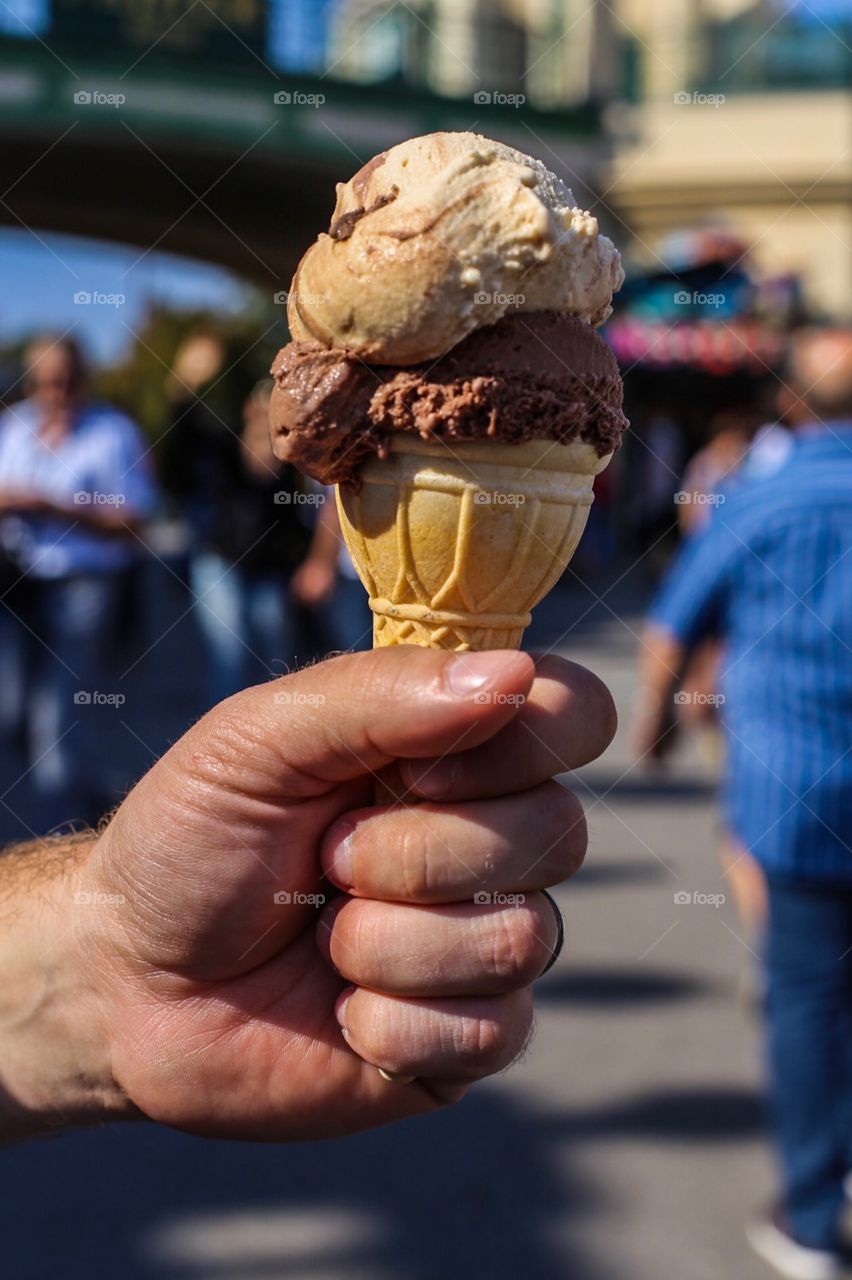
x=627, y=1145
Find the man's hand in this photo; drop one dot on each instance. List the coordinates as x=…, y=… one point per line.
x=251, y=937
x=21, y=502
x=654, y=728
x=654, y=731
x=313, y=582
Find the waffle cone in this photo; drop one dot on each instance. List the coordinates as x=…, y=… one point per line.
x=456, y=544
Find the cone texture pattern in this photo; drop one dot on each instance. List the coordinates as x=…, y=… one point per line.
x=455, y=544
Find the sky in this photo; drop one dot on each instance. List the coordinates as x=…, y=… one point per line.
x=43, y=272
x=55, y=281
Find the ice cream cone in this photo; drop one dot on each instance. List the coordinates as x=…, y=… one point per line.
x=456, y=544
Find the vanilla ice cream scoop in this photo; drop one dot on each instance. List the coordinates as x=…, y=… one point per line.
x=443, y=235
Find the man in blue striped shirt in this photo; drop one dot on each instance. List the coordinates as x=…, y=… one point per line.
x=772, y=577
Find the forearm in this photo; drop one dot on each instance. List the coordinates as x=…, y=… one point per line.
x=111, y=523
x=660, y=668
x=54, y=1058
x=661, y=662
x=327, y=538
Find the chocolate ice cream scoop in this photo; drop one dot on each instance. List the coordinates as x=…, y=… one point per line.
x=536, y=375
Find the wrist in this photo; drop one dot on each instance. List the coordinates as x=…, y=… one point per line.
x=54, y=1059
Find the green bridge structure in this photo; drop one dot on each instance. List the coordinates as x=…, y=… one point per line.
x=223, y=159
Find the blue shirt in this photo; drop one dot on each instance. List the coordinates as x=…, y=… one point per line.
x=772, y=575
x=101, y=462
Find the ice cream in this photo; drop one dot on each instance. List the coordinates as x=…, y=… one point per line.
x=442, y=235
x=445, y=371
x=537, y=375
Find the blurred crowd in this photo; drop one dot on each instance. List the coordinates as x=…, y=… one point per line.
x=752, y=627
x=746, y=540
x=82, y=491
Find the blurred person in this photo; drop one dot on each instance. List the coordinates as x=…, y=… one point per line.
x=711, y=467
x=75, y=485
x=707, y=474
x=352, y=619
x=772, y=577
x=768, y=451
x=256, y=561
x=656, y=459
x=736, y=453
x=345, y=621
x=187, y=967
x=739, y=449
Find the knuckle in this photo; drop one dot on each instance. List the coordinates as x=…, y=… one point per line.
x=602, y=715
x=417, y=860
x=585, y=697
x=478, y=1042
x=373, y=1032
x=494, y=1039
x=514, y=950
x=355, y=948
x=566, y=835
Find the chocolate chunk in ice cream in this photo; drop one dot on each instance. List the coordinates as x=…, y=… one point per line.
x=534, y=375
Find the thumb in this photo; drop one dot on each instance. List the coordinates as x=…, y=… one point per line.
x=354, y=714
x=221, y=821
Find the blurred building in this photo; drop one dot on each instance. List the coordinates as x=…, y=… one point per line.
x=556, y=52
x=741, y=110
x=661, y=115
x=718, y=109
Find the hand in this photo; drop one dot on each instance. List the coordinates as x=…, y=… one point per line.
x=654, y=733
x=313, y=582
x=19, y=502
x=207, y=971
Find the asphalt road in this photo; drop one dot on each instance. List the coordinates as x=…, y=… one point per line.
x=626, y=1146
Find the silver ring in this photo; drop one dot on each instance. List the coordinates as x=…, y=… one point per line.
x=560, y=935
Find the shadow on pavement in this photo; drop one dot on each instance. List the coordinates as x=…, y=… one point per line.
x=473, y=1191
x=649, y=789
x=707, y=1114
x=604, y=988
x=627, y=871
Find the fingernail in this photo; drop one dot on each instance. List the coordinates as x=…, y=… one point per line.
x=470, y=672
x=340, y=1009
x=339, y=867
x=324, y=926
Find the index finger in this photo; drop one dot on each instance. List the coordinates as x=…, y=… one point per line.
x=567, y=719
